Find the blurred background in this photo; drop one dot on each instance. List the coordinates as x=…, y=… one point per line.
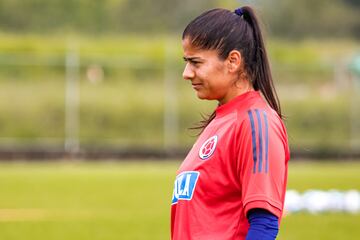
x=85, y=80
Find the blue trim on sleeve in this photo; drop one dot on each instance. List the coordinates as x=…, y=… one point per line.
x=263, y=225
x=266, y=143
x=253, y=134
x=260, y=140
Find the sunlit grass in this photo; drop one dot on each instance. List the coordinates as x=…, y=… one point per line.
x=131, y=200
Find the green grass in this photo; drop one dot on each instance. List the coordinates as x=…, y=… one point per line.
x=131, y=200
x=86, y=201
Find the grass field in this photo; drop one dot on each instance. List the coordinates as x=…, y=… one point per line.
x=131, y=200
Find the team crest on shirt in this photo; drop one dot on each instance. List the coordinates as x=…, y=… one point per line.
x=184, y=186
x=208, y=147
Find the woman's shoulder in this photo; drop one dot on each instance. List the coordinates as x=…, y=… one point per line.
x=258, y=115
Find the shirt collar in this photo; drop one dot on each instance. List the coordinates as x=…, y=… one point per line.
x=237, y=102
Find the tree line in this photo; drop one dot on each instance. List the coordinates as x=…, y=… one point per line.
x=283, y=18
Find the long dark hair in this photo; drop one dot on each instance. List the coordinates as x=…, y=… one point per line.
x=224, y=31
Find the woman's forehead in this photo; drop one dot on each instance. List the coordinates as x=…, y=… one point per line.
x=190, y=51
x=188, y=46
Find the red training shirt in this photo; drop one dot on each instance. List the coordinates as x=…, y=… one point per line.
x=239, y=162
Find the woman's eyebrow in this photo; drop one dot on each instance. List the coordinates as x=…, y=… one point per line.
x=191, y=58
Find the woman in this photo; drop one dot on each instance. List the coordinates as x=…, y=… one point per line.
x=232, y=183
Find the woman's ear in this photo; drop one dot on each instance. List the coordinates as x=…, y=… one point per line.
x=234, y=61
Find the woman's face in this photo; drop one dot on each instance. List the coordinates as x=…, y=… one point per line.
x=209, y=75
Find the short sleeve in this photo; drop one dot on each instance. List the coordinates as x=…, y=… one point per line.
x=262, y=161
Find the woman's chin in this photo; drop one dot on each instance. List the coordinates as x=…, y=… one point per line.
x=203, y=96
x=200, y=95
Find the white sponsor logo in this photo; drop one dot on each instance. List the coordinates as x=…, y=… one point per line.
x=184, y=186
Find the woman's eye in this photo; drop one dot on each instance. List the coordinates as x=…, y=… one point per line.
x=192, y=62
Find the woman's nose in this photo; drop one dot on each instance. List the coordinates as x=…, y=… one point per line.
x=188, y=73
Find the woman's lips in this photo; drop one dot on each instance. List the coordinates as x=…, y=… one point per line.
x=196, y=86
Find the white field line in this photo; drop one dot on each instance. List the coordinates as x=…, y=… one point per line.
x=34, y=214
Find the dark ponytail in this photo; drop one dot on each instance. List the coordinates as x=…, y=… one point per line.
x=224, y=31
x=260, y=69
